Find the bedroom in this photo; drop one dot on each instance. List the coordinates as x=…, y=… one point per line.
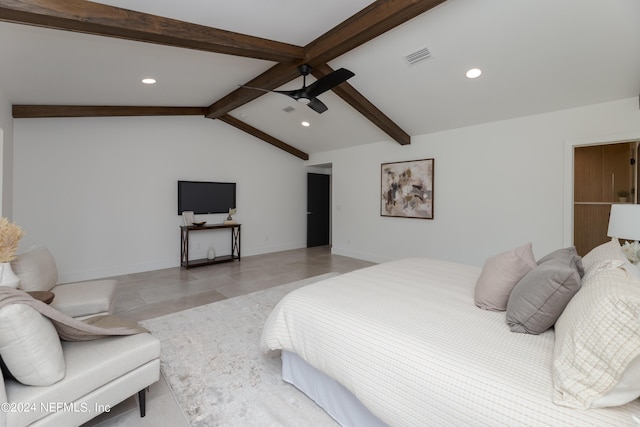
x=108, y=183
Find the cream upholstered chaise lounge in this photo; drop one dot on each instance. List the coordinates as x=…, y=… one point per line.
x=37, y=271
x=98, y=375
x=49, y=382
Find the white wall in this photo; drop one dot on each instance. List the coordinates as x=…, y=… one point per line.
x=6, y=157
x=101, y=193
x=496, y=186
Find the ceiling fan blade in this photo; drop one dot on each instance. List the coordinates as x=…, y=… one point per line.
x=255, y=88
x=318, y=106
x=295, y=94
x=328, y=82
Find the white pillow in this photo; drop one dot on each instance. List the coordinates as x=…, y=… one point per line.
x=607, y=255
x=597, y=343
x=30, y=346
x=625, y=390
x=36, y=269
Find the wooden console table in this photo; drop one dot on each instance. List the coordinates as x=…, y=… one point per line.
x=184, y=244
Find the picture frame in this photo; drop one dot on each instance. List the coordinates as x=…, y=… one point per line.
x=406, y=189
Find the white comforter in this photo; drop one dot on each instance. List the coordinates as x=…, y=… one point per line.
x=407, y=340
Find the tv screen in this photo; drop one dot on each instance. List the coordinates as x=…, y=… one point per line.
x=206, y=197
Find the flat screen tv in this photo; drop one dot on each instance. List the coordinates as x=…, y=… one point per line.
x=206, y=197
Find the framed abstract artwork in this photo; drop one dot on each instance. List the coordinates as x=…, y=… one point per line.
x=407, y=189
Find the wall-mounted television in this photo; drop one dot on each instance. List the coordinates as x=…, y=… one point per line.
x=206, y=197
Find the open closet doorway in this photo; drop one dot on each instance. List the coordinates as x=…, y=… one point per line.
x=319, y=207
x=603, y=175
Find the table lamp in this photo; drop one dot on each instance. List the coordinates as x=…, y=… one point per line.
x=624, y=222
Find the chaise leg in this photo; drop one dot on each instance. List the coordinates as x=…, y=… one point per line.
x=142, y=399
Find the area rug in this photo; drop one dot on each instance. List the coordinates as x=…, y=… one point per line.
x=212, y=362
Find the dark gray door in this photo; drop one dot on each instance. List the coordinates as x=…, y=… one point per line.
x=318, y=205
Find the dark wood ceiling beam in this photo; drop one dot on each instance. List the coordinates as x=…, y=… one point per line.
x=93, y=18
x=263, y=136
x=98, y=19
x=43, y=111
x=371, y=22
x=354, y=98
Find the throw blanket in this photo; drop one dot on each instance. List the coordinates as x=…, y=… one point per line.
x=70, y=329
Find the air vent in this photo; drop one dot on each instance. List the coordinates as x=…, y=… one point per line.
x=417, y=56
x=288, y=109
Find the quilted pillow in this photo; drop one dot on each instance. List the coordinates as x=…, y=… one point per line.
x=597, y=344
x=30, y=346
x=539, y=298
x=607, y=255
x=36, y=269
x=500, y=274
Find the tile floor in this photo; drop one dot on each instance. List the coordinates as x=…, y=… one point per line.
x=155, y=293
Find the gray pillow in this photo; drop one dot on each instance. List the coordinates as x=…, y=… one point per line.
x=541, y=295
x=570, y=253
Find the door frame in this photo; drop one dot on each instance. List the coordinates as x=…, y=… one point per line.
x=569, y=145
x=324, y=169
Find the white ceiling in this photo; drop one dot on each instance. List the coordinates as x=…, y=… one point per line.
x=536, y=56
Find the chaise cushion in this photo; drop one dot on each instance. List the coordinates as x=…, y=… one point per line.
x=29, y=346
x=83, y=299
x=36, y=269
x=91, y=365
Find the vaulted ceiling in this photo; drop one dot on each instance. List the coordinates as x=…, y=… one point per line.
x=80, y=59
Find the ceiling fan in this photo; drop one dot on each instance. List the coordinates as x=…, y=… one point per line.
x=308, y=94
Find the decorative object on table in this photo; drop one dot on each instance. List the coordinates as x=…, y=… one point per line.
x=624, y=223
x=632, y=251
x=622, y=195
x=188, y=217
x=211, y=255
x=199, y=224
x=10, y=235
x=230, y=220
x=407, y=189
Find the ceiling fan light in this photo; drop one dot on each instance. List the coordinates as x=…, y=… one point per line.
x=304, y=101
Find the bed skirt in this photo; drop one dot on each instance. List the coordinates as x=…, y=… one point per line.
x=329, y=394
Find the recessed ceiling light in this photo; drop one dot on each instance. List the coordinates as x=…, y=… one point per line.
x=149, y=81
x=305, y=124
x=474, y=73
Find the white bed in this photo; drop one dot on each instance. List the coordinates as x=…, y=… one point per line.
x=406, y=340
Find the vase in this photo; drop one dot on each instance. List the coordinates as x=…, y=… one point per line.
x=211, y=255
x=8, y=277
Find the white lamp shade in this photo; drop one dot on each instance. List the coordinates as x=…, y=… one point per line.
x=624, y=222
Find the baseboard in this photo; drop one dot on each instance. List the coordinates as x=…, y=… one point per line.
x=120, y=270
x=365, y=256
